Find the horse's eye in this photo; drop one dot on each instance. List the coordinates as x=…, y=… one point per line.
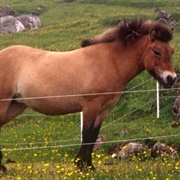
x=156, y=53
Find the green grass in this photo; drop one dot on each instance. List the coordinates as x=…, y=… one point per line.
x=49, y=144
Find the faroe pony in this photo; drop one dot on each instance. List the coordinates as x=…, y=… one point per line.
x=86, y=79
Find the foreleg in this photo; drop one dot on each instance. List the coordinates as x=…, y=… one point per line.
x=96, y=130
x=91, y=126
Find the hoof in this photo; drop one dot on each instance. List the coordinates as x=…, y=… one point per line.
x=79, y=163
x=3, y=169
x=91, y=168
x=8, y=161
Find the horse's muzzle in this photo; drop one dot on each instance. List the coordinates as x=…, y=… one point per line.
x=168, y=79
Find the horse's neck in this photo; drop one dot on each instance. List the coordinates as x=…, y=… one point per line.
x=130, y=62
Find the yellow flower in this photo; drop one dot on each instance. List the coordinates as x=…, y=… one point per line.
x=124, y=147
x=70, y=174
x=66, y=155
x=46, y=165
x=62, y=169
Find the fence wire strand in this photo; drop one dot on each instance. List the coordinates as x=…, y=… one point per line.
x=78, y=144
x=86, y=94
x=89, y=94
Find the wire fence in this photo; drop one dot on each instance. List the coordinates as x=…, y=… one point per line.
x=131, y=90
x=78, y=144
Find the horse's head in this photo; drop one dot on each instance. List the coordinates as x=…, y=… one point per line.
x=158, y=58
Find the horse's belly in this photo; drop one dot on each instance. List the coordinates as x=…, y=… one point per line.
x=53, y=107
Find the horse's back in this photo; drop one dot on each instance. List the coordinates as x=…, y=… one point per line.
x=40, y=73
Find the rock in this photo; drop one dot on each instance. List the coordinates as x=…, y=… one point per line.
x=176, y=107
x=165, y=18
x=30, y=21
x=161, y=149
x=131, y=148
x=176, y=87
x=6, y=11
x=123, y=132
x=126, y=150
x=114, y=150
x=175, y=124
x=10, y=24
x=99, y=142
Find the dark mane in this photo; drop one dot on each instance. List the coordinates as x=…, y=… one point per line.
x=127, y=32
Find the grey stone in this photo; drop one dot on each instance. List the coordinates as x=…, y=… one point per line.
x=30, y=21
x=131, y=148
x=10, y=24
x=161, y=149
x=176, y=107
x=6, y=11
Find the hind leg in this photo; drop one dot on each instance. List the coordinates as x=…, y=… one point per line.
x=10, y=110
x=14, y=109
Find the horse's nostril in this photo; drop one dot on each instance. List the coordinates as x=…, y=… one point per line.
x=171, y=80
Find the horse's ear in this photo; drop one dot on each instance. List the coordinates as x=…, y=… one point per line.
x=172, y=30
x=153, y=35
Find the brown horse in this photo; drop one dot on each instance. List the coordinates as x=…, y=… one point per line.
x=56, y=83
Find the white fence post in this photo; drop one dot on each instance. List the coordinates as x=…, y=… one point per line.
x=81, y=118
x=157, y=96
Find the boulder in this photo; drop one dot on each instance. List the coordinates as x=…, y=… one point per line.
x=123, y=132
x=161, y=149
x=10, y=24
x=6, y=11
x=175, y=124
x=176, y=107
x=99, y=142
x=30, y=21
x=165, y=18
x=128, y=149
x=131, y=148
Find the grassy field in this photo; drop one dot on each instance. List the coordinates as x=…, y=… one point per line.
x=44, y=147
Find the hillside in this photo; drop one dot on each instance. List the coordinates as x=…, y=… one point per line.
x=50, y=143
